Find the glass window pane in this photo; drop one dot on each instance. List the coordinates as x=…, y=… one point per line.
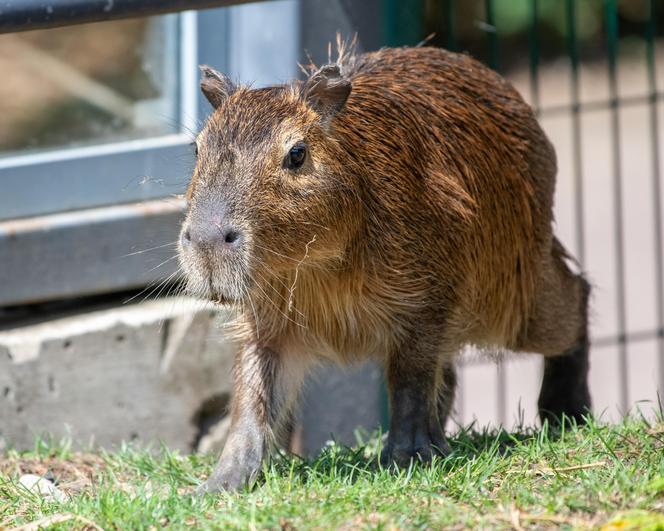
x=88, y=84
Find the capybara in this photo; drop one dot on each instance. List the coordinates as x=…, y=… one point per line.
x=394, y=205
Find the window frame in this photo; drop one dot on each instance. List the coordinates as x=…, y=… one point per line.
x=121, y=170
x=67, y=238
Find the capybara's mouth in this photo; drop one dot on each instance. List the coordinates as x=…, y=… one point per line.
x=223, y=300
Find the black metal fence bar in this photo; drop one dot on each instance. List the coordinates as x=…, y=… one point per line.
x=491, y=33
x=449, y=24
x=612, y=45
x=656, y=187
x=629, y=337
x=534, y=56
x=572, y=50
x=24, y=15
x=492, y=43
x=601, y=105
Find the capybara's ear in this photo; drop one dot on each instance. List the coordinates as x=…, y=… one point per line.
x=326, y=90
x=216, y=87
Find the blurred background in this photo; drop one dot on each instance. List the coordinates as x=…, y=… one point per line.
x=96, y=122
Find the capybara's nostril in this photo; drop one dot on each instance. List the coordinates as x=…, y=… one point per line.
x=231, y=236
x=186, y=236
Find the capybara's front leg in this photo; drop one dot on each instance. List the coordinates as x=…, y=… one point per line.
x=264, y=391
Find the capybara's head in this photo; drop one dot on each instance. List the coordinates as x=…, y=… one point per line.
x=271, y=185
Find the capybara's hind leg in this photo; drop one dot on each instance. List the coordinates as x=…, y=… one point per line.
x=564, y=389
x=558, y=329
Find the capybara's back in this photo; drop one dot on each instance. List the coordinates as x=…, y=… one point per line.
x=471, y=188
x=395, y=205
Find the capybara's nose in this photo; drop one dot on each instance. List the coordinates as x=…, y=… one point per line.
x=213, y=235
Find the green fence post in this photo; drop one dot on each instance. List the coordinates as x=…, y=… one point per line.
x=656, y=184
x=402, y=22
x=492, y=33
x=449, y=25
x=611, y=13
x=573, y=53
x=533, y=44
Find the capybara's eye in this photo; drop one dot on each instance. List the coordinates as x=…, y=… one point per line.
x=296, y=156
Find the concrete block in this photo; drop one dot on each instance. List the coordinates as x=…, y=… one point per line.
x=150, y=371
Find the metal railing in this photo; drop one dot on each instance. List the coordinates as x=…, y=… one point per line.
x=24, y=15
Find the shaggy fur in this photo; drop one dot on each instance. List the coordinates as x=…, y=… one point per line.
x=419, y=222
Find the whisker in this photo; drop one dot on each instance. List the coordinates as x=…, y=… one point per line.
x=160, y=286
x=253, y=308
x=163, y=263
x=266, y=269
x=149, y=286
x=297, y=222
x=275, y=252
x=150, y=249
x=280, y=295
x=276, y=306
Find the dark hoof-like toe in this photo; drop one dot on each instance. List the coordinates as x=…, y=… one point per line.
x=403, y=456
x=202, y=490
x=564, y=390
x=570, y=404
x=211, y=487
x=556, y=416
x=227, y=481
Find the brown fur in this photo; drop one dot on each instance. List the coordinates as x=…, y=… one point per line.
x=420, y=221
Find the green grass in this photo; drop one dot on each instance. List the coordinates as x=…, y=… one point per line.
x=582, y=477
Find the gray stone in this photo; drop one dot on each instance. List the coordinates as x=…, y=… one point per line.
x=214, y=440
x=135, y=372
x=42, y=486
